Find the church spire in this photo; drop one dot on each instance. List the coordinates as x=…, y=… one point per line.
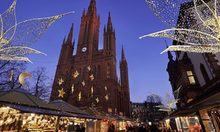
x=109, y=25
x=122, y=54
x=92, y=8
x=70, y=36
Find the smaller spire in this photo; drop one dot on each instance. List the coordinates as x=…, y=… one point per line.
x=123, y=54
x=84, y=12
x=70, y=36
x=109, y=22
x=104, y=29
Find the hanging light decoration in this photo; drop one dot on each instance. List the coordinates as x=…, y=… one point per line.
x=23, y=76
x=14, y=37
x=198, y=24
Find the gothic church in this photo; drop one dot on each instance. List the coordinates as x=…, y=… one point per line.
x=89, y=78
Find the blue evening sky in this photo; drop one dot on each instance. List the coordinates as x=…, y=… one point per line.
x=131, y=19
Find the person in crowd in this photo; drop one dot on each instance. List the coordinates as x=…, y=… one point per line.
x=83, y=129
x=78, y=128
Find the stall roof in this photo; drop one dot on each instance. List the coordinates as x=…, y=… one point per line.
x=24, y=101
x=66, y=107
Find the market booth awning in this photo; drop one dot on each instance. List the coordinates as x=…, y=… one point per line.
x=25, y=102
x=66, y=107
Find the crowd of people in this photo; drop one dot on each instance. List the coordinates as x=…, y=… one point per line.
x=77, y=128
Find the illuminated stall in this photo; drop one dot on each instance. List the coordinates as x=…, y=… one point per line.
x=22, y=111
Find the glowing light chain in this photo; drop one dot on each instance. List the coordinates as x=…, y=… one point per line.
x=198, y=29
x=15, y=37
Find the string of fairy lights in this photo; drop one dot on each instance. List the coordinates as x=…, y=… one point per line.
x=16, y=36
x=194, y=24
x=75, y=75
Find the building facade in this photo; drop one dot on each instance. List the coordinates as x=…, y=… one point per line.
x=195, y=77
x=89, y=78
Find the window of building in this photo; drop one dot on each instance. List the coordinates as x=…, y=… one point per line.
x=191, y=77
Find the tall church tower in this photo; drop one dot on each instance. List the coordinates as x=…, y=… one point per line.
x=125, y=82
x=89, y=78
x=89, y=32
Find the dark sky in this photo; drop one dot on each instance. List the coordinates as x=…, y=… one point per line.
x=131, y=19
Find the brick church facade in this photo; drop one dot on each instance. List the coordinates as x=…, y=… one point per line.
x=89, y=78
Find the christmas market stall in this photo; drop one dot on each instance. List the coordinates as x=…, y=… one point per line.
x=104, y=121
x=77, y=118
x=20, y=110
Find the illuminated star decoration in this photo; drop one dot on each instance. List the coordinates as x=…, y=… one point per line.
x=76, y=74
x=197, y=29
x=80, y=96
x=91, y=77
x=106, y=97
x=170, y=104
x=61, y=93
x=97, y=100
x=60, y=81
x=89, y=68
x=15, y=37
x=72, y=88
x=92, y=90
x=83, y=83
x=106, y=88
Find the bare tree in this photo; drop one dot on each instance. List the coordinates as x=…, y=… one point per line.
x=153, y=98
x=40, y=84
x=9, y=74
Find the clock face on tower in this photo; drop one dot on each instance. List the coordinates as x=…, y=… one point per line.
x=84, y=49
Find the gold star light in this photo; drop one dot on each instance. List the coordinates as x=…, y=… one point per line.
x=97, y=99
x=106, y=97
x=92, y=90
x=72, y=88
x=106, y=88
x=80, y=95
x=91, y=77
x=89, y=68
x=83, y=83
x=60, y=81
x=61, y=93
x=76, y=74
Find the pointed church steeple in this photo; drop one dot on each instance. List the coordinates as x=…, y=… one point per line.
x=70, y=35
x=64, y=40
x=92, y=8
x=122, y=54
x=109, y=25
